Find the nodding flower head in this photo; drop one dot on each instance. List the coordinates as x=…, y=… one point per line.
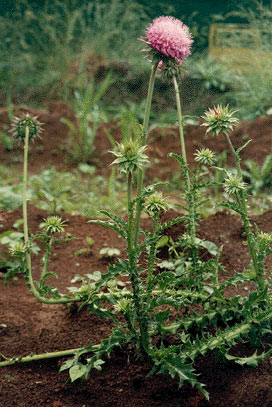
x=168, y=38
x=19, y=125
x=219, y=119
x=130, y=156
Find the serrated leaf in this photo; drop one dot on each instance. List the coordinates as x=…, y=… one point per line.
x=252, y=360
x=241, y=148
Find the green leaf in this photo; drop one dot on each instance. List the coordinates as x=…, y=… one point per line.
x=162, y=242
x=98, y=364
x=252, y=360
x=241, y=148
x=210, y=246
x=77, y=371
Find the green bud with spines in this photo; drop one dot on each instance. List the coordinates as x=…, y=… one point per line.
x=233, y=184
x=205, y=156
x=53, y=224
x=155, y=204
x=17, y=249
x=19, y=125
x=219, y=119
x=130, y=156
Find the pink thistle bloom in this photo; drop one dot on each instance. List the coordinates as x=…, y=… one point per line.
x=170, y=37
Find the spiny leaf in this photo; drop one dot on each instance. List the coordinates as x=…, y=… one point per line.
x=116, y=219
x=109, y=225
x=252, y=360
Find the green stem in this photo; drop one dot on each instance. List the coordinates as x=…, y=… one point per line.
x=28, y=258
x=130, y=217
x=180, y=121
x=42, y=356
x=143, y=337
x=258, y=266
x=144, y=137
x=190, y=192
x=151, y=260
x=28, y=274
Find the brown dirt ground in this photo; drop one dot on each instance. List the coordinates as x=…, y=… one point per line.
x=35, y=327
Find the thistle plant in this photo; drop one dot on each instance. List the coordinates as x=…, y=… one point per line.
x=221, y=119
x=148, y=301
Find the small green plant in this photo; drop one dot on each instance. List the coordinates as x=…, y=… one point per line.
x=212, y=74
x=6, y=140
x=259, y=177
x=89, y=116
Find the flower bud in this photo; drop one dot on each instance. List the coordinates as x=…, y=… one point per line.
x=205, y=156
x=17, y=249
x=155, y=204
x=19, y=125
x=234, y=184
x=130, y=156
x=53, y=224
x=219, y=119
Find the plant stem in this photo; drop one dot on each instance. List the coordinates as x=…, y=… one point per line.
x=143, y=337
x=258, y=266
x=28, y=273
x=180, y=121
x=190, y=195
x=144, y=136
x=28, y=258
x=42, y=356
x=151, y=259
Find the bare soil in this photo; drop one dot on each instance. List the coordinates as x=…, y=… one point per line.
x=29, y=326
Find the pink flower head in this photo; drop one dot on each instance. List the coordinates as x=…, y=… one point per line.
x=170, y=37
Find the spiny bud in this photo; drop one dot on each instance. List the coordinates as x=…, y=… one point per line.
x=155, y=204
x=130, y=156
x=122, y=305
x=233, y=184
x=219, y=119
x=17, y=249
x=205, y=156
x=265, y=237
x=53, y=224
x=19, y=125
